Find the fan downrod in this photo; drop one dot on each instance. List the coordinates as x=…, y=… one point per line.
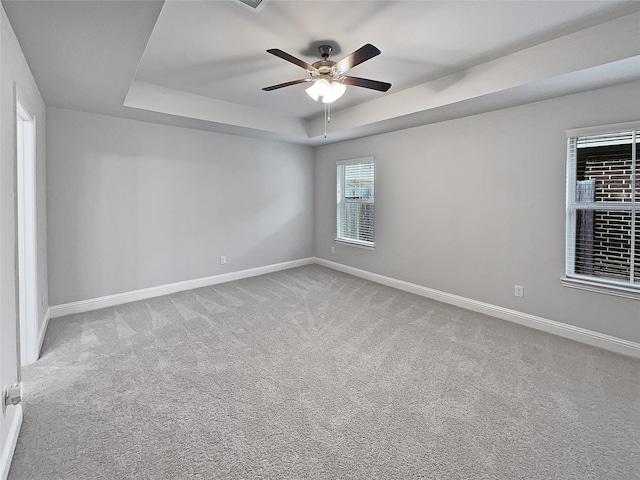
x=325, y=51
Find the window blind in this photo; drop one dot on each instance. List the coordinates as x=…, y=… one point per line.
x=355, y=201
x=603, y=208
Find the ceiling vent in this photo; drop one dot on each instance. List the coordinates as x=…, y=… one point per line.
x=255, y=4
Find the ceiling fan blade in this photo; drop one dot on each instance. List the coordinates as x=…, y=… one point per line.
x=366, y=83
x=287, y=84
x=290, y=58
x=356, y=58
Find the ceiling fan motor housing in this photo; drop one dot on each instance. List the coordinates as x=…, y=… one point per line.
x=324, y=67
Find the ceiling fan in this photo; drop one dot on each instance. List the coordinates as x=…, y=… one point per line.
x=328, y=77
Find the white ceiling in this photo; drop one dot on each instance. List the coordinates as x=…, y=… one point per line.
x=202, y=64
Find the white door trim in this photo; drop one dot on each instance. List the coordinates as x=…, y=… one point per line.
x=27, y=233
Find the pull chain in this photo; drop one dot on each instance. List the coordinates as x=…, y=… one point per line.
x=325, y=120
x=327, y=117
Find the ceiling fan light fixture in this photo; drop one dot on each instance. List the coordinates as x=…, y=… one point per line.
x=336, y=90
x=319, y=89
x=329, y=91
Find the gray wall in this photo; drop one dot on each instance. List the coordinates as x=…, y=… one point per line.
x=476, y=205
x=15, y=75
x=133, y=205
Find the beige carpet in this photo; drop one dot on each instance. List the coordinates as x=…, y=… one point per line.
x=311, y=373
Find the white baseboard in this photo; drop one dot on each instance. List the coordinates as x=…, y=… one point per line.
x=43, y=330
x=145, y=293
x=578, y=334
x=10, y=445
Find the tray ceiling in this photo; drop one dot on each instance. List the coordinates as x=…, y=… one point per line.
x=202, y=64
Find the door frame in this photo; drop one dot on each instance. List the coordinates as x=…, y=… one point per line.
x=26, y=222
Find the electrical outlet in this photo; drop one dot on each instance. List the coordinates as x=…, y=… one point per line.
x=518, y=291
x=333, y=249
x=223, y=260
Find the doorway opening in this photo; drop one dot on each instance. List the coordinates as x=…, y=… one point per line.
x=27, y=260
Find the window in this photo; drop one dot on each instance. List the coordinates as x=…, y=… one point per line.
x=355, y=207
x=603, y=210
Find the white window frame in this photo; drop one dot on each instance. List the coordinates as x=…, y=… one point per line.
x=593, y=283
x=340, y=200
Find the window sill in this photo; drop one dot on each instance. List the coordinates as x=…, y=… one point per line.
x=366, y=246
x=607, y=289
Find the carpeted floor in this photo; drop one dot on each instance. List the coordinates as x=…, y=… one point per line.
x=311, y=373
